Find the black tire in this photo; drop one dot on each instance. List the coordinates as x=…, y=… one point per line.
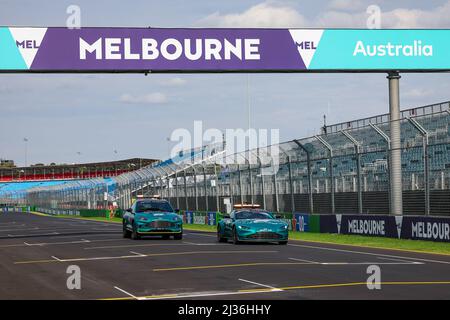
x=135, y=235
x=126, y=233
x=235, y=237
x=178, y=236
x=166, y=237
x=219, y=237
x=282, y=242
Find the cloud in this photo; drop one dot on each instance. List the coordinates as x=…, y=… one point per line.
x=150, y=98
x=415, y=18
x=261, y=15
x=346, y=5
x=339, y=14
x=418, y=93
x=173, y=82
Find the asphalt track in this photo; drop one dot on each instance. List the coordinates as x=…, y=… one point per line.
x=35, y=252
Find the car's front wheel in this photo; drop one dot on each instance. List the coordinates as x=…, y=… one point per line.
x=125, y=232
x=219, y=236
x=135, y=235
x=282, y=242
x=235, y=237
x=178, y=236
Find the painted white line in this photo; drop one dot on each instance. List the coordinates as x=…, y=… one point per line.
x=127, y=293
x=261, y=285
x=19, y=229
x=132, y=245
x=158, y=254
x=303, y=260
x=56, y=243
x=366, y=263
x=204, y=244
x=367, y=253
x=203, y=235
x=57, y=259
x=198, y=295
x=399, y=260
x=137, y=253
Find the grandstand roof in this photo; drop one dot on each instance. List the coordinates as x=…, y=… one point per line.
x=73, y=171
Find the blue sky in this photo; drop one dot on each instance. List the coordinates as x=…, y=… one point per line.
x=133, y=114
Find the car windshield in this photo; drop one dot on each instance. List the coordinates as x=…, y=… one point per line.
x=253, y=215
x=146, y=206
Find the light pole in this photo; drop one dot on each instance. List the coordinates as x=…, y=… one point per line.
x=26, y=151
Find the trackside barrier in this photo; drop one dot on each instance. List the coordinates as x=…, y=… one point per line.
x=75, y=212
x=15, y=209
x=390, y=226
x=401, y=227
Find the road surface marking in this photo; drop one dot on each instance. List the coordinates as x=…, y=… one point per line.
x=368, y=253
x=303, y=260
x=258, y=291
x=137, y=253
x=135, y=245
x=219, y=266
x=141, y=256
x=260, y=284
x=127, y=293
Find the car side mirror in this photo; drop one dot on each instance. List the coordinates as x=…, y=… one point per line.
x=129, y=210
x=277, y=216
x=226, y=216
x=177, y=210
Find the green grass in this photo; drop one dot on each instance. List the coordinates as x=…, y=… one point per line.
x=199, y=227
x=351, y=240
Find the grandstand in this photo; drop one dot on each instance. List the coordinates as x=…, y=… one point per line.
x=343, y=170
x=42, y=172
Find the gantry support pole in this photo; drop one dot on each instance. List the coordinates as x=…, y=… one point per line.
x=395, y=172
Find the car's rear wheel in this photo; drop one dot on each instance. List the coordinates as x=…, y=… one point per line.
x=125, y=232
x=219, y=236
x=135, y=235
x=282, y=242
x=166, y=237
x=235, y=237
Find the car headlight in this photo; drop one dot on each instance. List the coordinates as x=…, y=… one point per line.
x=143, y=219
x=243, y=227
x=285, y=227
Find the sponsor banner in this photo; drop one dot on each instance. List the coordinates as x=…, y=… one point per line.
x=199, y=218
x=382, y=226
x=301, y=222
x=211, y=219
x=404, y=227
x=14, y=209
x=426, y=228
x=189, y=217
x=195, y=50
x=329, y=224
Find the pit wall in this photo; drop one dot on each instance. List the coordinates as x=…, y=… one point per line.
x=390, y=226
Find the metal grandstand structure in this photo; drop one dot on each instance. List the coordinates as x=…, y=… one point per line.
x=345, y=170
